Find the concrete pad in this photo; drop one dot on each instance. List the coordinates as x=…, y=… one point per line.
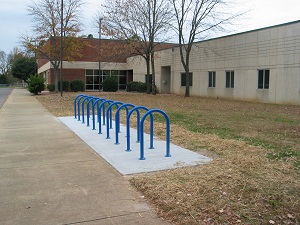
x=128, y=162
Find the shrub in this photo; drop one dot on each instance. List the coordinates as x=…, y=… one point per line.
x=35, y=84
x=77, y=85
x=141, y=87
x=3, y=79
x=65, y=85
x=51, y=87
x=132, y=86
x=110, y=84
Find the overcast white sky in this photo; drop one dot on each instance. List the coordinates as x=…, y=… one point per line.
x=15, y=21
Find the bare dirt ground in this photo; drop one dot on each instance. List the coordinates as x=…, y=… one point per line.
x=254, y=177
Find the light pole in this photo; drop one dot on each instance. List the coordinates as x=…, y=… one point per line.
x=99, y=51
x=35, y=57
x=61, y=44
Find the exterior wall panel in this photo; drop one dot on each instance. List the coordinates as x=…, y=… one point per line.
x=275, y=48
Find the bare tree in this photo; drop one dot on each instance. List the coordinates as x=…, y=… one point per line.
x=46, y=16
x=7, y=60
x=142, y=23
x=194, y=20
x=5, y=63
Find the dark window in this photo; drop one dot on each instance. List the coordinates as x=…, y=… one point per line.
x=123, y=72
x=212, y=79
x=183, y=79
x=93, y=79
x=263, y=79
x=106, y=72
x=229, y=79
x=150, y=78
x=89, y=72
x=114, y=72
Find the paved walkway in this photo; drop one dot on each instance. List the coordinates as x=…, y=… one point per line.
x=50, y=176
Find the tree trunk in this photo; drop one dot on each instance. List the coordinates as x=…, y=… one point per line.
x=187, y=70
x=153, y=74
x=148, y=74
x=187, y=82
x=56, y=78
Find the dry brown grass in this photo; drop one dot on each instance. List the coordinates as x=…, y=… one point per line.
x=242, y=185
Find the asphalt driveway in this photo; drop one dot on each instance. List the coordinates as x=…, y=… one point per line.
x=4, y=93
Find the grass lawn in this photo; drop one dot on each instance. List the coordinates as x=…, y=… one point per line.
x=254, y=177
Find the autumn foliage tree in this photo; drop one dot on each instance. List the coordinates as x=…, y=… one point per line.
x=5, y=63
x=46, y=15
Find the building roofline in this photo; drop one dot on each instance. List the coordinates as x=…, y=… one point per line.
x=250, y=31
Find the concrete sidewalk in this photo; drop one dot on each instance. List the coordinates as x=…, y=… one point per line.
x=50, y=176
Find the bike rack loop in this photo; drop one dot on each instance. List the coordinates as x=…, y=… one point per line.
x=99, y=113
x=82, y=106
x=78, y=105
x=117, y=119
x=75, y=106
x=150, y=112
x=88, y=110
x=109, y=117
x=93, y=110
x=137, y=108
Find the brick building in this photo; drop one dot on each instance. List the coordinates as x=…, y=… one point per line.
x=108, y=56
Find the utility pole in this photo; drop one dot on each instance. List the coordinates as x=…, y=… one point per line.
x=35, y=57
x=99, y=52
x=61, y=44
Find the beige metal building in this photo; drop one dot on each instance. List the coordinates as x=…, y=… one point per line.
x=261, y=65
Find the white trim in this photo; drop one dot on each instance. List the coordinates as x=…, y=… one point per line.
x=44, y=67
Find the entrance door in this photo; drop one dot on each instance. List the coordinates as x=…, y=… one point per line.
x=165, y=85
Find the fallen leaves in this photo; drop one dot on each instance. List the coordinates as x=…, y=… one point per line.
x=239, y=185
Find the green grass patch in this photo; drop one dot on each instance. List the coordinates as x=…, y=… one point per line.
x=191, y=122
x=285, y=120
x=285, y=154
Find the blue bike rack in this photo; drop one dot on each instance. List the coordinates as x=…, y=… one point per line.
x=82, y=105
x=137, y=109
x=117, y=118
x=78, y=105
x=150, y=112
x=102, y=105
x=75, y=106
x=88, y=110
x=109, y=117
x=93, y=111
x=106, y=107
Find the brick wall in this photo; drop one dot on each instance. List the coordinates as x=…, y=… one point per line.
x=68, y=74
